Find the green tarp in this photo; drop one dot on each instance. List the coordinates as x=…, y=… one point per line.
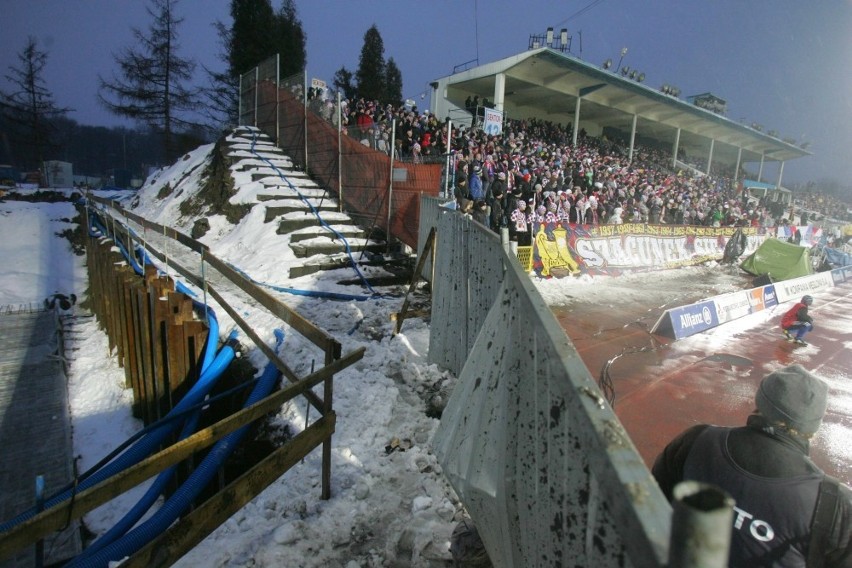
x=780, y=260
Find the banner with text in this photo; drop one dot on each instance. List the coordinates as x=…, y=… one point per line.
x=613, y=249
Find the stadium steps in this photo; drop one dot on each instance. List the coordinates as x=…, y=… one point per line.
x=285, y=206
x=321, y=243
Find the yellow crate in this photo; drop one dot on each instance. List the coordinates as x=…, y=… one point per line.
x=525, y=257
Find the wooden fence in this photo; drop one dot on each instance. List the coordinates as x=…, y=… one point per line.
x=151, y=329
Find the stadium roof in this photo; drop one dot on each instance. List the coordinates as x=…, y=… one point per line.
x=545, y=83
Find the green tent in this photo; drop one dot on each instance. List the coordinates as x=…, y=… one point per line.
x=780, y=260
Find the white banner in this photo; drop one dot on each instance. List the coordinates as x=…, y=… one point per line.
x=493, y=124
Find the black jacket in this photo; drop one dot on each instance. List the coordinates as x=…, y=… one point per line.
x=759, y=455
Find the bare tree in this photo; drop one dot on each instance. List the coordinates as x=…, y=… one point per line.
x=151, y=87
x=30, y=107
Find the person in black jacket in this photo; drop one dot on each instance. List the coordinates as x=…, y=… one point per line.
x=497, y=216
x=764, y=466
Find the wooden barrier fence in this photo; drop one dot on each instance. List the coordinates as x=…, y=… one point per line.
x=150, y=326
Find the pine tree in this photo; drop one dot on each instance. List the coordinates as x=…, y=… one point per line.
x=343, y=83
x=393, y=84
x=221, y=95
x=251, y=36
x=371, y=66
x=256, y=34
x=30, y=107
x=151, y=87
x=289, y=40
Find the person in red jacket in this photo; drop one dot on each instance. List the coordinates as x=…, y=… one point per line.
x=797, y=321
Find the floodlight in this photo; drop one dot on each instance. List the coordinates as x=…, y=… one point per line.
x=633, y=74
x=625, y=70
x=641, y=77
x=563, y=36
x=607, y=64
x=549, y=36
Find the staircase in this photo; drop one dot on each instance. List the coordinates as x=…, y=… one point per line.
x=308, y=214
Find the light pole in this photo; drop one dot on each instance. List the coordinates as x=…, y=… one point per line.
x=623, y=53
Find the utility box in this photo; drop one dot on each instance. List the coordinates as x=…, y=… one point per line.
x=58, y=174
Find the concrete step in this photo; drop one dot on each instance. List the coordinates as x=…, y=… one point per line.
x=277, y=189
x=285, y=192
x=314, y=265
x=347, y=231
x=245, y=150
x=325, y=246
x=291, y=222
x=259, y=174
x=285, y=206
x=249, y=164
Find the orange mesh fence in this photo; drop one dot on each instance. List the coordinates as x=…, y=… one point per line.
x=363, y=173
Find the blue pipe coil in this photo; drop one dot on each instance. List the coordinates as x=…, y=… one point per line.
x=189, y=491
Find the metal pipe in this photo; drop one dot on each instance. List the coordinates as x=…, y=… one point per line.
x=702, y=520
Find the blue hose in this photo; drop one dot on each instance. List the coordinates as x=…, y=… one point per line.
x=202, y=309
x=189, y=491
x=316, y=213
x=145, y=502
x=146, y=446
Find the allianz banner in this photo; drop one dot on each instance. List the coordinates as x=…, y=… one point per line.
x=692, y=319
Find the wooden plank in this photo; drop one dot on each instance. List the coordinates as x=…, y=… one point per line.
x=270, y=354
x=180, y=305
x=56, y=517
x=105, y=310
x=135, y=352
x=129, y=339
x=159, y=354
x=195, y=334
x=178, y=366
x=190, y=530
x=316, y=335
x=121, y=307
x=403, y=312
x=143, y=336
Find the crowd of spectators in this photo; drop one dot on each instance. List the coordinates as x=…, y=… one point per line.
x=537, y=175
x=815, y=203
x=532, y=172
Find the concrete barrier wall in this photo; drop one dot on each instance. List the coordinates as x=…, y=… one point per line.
x=527, y=440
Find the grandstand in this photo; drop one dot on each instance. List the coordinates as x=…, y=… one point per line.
x=552, y=85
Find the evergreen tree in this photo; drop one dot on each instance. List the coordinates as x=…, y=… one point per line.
x=151, y=87
x=289, y=40
x=255, y=35
x=343, y=83
x=251, y=36
x=371, y=66
x=393, y=84
x=29, y=110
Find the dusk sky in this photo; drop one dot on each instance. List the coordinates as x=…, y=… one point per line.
x=785, y=64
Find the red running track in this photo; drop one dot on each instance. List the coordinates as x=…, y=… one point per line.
x=662, y=387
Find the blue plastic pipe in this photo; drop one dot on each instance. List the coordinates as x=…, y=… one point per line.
x=189, y=491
